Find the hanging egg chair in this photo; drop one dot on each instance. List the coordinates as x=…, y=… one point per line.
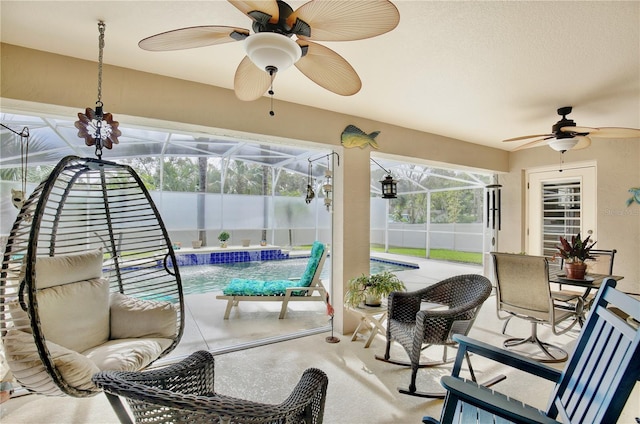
x=89, y=280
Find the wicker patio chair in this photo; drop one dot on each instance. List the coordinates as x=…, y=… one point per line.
x=184, y=393
x=89, y=280
x=431, y=316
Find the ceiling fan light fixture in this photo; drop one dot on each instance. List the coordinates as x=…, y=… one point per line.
x=269, y=49
x=563, y=144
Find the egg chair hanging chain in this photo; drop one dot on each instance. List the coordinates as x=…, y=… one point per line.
x=101, y=27
x=95, y=126
x=99, y=104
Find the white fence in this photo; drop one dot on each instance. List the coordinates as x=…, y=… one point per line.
x=287, y=221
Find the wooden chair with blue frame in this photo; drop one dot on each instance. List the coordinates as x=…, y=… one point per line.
x=593, y=387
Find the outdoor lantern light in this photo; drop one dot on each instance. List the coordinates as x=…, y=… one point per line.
x=389, y=187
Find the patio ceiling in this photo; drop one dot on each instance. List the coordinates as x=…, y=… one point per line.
x=477, y=71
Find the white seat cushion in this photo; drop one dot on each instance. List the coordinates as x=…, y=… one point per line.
x=24, y=361
x=127, y=354
x=64, y=269
x=75, y=315
x=132, y=317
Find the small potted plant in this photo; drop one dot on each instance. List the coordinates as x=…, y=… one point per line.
x=369, y=290
x=574, y=254
x=223, y=237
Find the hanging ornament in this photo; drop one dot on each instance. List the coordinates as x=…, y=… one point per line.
x=18, y=197
x=494, y=206
x=327, y=182
x=96, y=127
x=310, y=193
x=327, y=187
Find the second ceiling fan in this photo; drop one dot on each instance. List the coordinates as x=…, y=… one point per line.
x=271, y=49
x=565, y=135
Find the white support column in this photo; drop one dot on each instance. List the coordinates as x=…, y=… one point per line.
x=351, y=242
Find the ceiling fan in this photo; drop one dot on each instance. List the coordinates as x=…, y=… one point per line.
x=271, y=49
x=565, y=135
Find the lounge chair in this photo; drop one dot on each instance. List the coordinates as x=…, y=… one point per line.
x=307, y=288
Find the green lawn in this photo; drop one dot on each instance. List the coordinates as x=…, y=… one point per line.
x=441, y=254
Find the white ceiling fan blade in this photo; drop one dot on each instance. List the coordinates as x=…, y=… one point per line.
x=264, y=7
x=583, y=142
x=615, y=132
x=328, y=69
x=250, y=82
x=524, y=137
x=346, y=20
x=192, y=37
x=531, y=144
x=579, y=130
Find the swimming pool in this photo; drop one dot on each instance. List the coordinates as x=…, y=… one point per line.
x=212, y=278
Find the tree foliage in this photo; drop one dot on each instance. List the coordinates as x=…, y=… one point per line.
x=246, y=178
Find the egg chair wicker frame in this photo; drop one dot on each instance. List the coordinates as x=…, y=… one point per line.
x=86, y=204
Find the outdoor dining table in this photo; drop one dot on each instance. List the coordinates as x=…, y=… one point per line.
x=590, y=282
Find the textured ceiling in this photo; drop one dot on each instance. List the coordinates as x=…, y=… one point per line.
x=479, y=71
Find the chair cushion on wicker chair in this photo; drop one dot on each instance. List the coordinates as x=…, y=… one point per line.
x=132, y=317
x=64, y=269
x=75, y=315
x=23, y=358
x=127, y=354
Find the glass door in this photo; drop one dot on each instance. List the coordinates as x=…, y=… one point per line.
x=559, y=203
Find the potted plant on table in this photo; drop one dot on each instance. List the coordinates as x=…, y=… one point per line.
x=223, y=237
x=368, y=290
x=574, y=254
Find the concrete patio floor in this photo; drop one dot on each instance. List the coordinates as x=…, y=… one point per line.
x=361, y=389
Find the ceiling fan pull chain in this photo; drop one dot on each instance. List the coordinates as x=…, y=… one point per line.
x=272, y=72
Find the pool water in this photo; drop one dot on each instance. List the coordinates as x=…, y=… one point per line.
x=212, y=278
